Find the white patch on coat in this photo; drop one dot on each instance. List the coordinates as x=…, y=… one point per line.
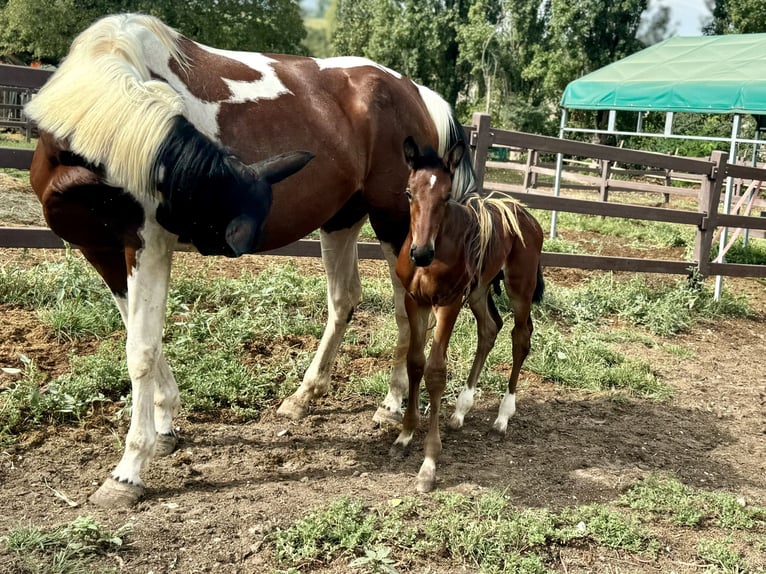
x=343, y=62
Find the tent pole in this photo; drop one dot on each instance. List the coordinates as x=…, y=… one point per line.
x=727, y=203
x=557, y=178
x=754, y=163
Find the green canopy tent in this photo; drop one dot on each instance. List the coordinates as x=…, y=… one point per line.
x=706, y=74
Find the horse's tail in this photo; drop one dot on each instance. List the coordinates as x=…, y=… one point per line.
x=450, y=132
x=537, y=296
x=103, y=102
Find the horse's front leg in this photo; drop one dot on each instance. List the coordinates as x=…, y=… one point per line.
x=167, y=401
x=436, y=381
x=418, y=325
x=488, y=324
x=148, y=278
x=344, y=291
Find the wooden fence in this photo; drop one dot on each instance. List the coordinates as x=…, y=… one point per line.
x=711, y=174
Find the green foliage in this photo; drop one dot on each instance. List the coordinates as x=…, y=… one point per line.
x=664, y=309
x=721, y=555
x=688, y=506
x=754, y=253
x=608, y=527
x=340, y=529
x=38, y=29
x=67, y=549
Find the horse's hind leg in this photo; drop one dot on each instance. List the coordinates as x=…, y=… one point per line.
x=521, y=337
x=390, y=412
x=344, y=291
x=488, y=324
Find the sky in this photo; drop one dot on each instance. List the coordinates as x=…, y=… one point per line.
x=685, y=15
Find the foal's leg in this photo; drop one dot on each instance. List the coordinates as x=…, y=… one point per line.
x=436, y=380
x=488, y=324
x=390, y=412
x=147, y=297
x=521, y=336
x=418, y=326
x=344, y=291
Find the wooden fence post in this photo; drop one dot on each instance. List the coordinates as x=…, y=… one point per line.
x=606, y=168
x=482, y=140
x=708, y=200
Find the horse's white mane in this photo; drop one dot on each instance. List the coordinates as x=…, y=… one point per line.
x=103, y=102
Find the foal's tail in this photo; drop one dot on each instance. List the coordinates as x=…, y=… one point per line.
x=537, y=296
x=450, y=132
x=105, y=104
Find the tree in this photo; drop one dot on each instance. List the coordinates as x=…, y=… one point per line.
x=415, y=37
x=44, y=29
x=737, y=17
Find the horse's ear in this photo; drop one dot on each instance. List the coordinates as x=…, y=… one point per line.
x=411, y=151
x=241, y=233
x=279, y=167
x=454, y=155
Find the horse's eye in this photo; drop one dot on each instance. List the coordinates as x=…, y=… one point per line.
x=408, y=193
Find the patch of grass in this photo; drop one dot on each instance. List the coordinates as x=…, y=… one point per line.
x=643, y=233
x=754, y=253
x=81, y=318
x=67, y=549
x=485, y=533
x=664, y=309
x=721, y=556
x=580, y=360
x=687, y=506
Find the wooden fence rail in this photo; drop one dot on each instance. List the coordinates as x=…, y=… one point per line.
x=710, y=173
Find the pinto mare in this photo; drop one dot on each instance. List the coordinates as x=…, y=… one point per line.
x=455, y=252
x=115, y=171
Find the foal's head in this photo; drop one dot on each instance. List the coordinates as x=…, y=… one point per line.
x=428, y=190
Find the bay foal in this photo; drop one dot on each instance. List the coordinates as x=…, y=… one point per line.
x=455, y=252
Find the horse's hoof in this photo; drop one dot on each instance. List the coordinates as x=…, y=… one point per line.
x=454, y=423
x=165, y=444
x=292, y=409
x=114, y=494
x=384, y=417
x=425, y=484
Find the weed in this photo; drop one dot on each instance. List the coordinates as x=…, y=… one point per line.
x=721, y=555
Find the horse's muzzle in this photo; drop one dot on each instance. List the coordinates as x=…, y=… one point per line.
x=421, y=256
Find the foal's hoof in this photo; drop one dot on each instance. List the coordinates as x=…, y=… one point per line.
x=165, y=444
x=114, y=494
x=385, y=417
x=292, y=409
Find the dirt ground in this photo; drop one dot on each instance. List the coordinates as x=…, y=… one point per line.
x=210, y=504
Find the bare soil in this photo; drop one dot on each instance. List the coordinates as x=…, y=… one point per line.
x=211, y=504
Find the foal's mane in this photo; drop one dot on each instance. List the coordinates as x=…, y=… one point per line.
x=482, y=208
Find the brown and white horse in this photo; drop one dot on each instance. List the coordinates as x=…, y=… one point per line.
x=144, y=139
x=455, y=252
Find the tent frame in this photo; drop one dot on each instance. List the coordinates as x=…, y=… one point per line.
x=734, y=141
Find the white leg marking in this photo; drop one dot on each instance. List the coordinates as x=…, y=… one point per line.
x=147, y=297
x=507, y=410
x=344, y=291
x=166, y=398
x=404, y=438
x=462, y=406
